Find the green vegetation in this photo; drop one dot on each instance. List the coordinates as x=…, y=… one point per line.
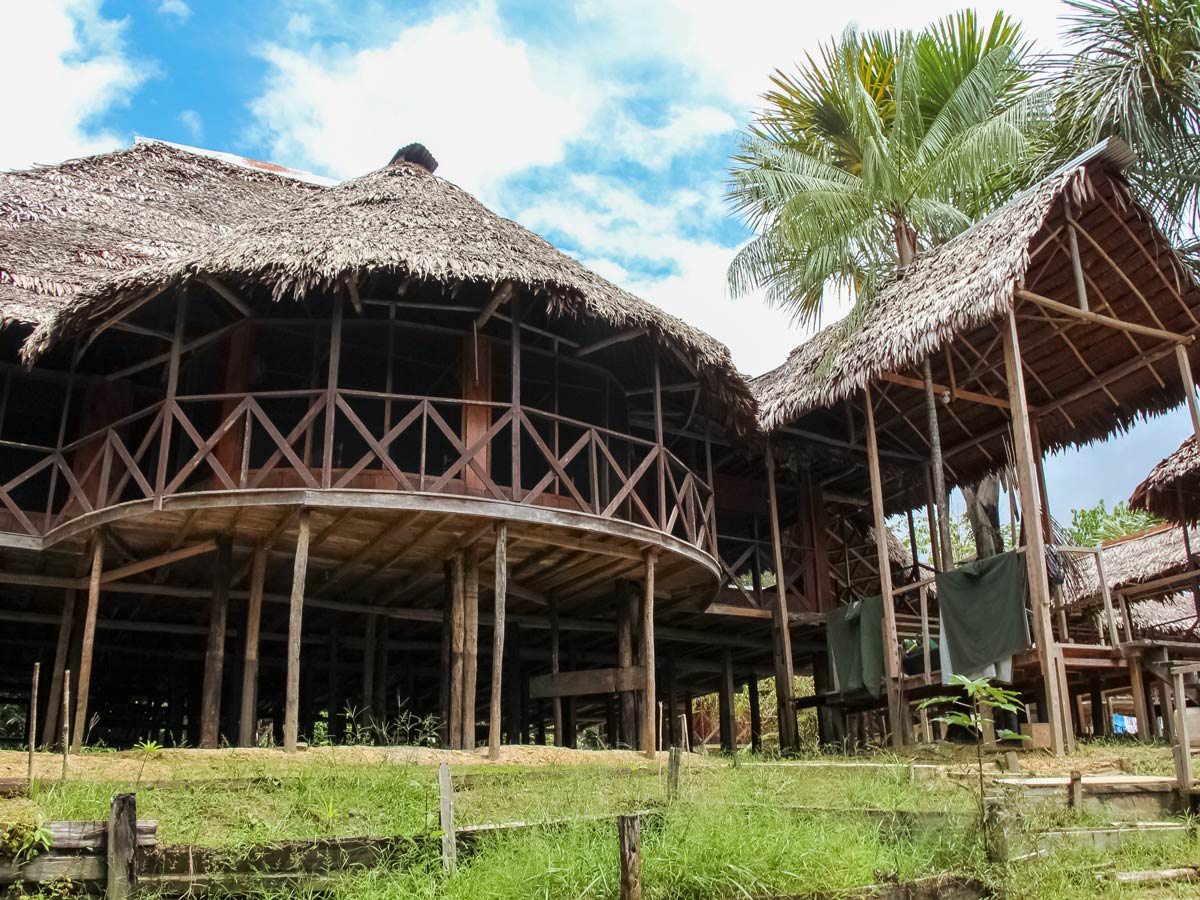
x=1098, y=524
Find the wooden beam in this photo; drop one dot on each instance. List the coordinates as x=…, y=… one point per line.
x=89, y=638
x=1107, y=321
x=1189, y=388
x=227, y=295
x=586, y=682
x=154, y=562
x=291, y=714
x=954, y=392
x=611, y=341
x=248, y=714
x=1076, y=266
x=781, y=632
x=214, y=657
x=503, y=291
x=499, y=594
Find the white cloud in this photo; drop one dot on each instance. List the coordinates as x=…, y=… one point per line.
x=76, y=66
x=193, y=124
x=175, y=9
x=457, y=83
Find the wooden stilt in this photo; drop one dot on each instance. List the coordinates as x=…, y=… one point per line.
x=628, y=707
x=333, y=702
x=671, y=737
x=554, y=669
x=755, y=715
x=781, y=623
x=1035, y=548
x=379, y=704
x=897, y=709
x=457, y=645
x=500, y=594
x=370, y=627
x=89, y=640
x=248, y=716
x=726, y=704
x=291, y=714
x=214, y=657
x=649, y=705
x=1141, y=712
x=62, y=647
x=470, y=643
x=444, y=709
x=937, y=472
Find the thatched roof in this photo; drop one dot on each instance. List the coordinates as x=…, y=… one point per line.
x=66, y=229
x=946, y=291
x=1167, y=617
x=1172, y=489
x=398, y=222
x=1155, y=553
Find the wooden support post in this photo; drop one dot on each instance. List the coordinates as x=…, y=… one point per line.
x=554, y=668
x=1141, y=712
x=688, y=725
x=650, y=696
x=936, y=468
x=164, y=437
x=500, y=594
x=291, y=714
x=671, y=735
x=331, y=387
x=1189, y=387
x=470, y=643
x=628, y=706
x=31, y=722
x=725, y=698
x=457, y=645
x=89, y=640
x=673, y=765
x=214, y=656
x=1077, y=267
x=658, y=440
x=629, y=837
x=1035, y=552
x=897, y=708
x=121, y=848
x=65, y=624
x=446, y=819
x=1183, y=737
x=379, y=696
x=1075, y=792
x=248, y=714
x=333, y=692
x=370, y=627
x=780, y=623
x=1100, y=726
x=66, y=722
x=755, y=715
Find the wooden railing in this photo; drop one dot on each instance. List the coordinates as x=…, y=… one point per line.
x=351, y=439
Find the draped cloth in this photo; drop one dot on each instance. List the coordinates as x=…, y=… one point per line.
x=983, y=616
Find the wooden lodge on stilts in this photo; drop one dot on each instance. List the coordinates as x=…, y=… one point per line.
x=279, y=455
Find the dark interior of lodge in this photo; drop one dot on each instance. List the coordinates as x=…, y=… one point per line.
x=273, y=452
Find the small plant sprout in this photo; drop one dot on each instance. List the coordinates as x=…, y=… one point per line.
x=972, y=709
x=148, y=748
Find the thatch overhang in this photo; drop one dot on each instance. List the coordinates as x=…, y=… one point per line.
x=1084, y=381
x=1172, y=489
x=399, y=225
x=1148, y=556
x=66, y=229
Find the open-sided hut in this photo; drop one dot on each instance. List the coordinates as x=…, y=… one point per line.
x=1059, y=319
x=281, y=447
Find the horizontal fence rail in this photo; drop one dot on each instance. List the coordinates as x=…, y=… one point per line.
x=350, y=439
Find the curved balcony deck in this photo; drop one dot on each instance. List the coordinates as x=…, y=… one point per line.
x=364, y=448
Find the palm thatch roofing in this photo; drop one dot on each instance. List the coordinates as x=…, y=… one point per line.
x=399, y=222
x=1155, y=553
x=1173, y=616
x=1172, y=489
x=1084, y=381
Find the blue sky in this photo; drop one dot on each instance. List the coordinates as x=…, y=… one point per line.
x=604, y=125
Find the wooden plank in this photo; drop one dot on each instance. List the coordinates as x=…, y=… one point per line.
x=500, y=598
x=214, y=657
x=154, y=562
x=503, y=291
x=248, y=714
x=291, y=716
x=89, y=639
x=587, y=682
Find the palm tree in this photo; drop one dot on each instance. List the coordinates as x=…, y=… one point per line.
x=1136, y=75
x=886, y=144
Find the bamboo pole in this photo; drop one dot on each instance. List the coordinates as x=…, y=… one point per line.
x=32, y=720
x=937, y=470
x=500, y=593
x=291, y=715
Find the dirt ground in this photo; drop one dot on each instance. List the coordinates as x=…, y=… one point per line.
x=170, y=763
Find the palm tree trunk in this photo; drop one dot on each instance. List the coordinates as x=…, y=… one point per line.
x=983, y=511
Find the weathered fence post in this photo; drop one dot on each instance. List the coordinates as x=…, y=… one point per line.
x=1075, y=799
x=673, y=762
x=33, y=701
x=446, y=811
x=122, y=847
x=1012, y=763
x=995, y=829
x=629, y=834
x=66, y=720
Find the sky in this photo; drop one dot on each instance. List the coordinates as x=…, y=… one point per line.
x=604, y=125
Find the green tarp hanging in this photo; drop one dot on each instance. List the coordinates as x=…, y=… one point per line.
x=854, y=634
x=983, y=610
